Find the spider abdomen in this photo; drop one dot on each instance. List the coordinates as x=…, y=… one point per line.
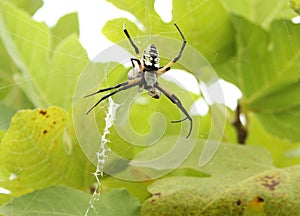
x=151, y=58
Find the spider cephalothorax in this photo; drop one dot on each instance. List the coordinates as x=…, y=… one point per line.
x=145, y=76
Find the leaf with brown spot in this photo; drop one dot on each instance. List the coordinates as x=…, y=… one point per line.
x=32, y=155
x=242, y=181
x=255, y=207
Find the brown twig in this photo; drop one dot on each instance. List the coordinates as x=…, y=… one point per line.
x=239, y=127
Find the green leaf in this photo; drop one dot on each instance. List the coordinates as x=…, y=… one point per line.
x=240, y=69
x=295, y=5
x=31, y=6
x=282, y=124
x=58, y=200
x=280, y=118
x=65, y=26
x=259, y=12
x=138, y=189
x=118, y=202
x=17, y=35
x=46, y=76
x=242, y=180
x=6, y=114
x=268, y=74
x=4, y=198
x=209, y=35
x=12, y=97
x=225, y=158
x=32, y=154
x=68, y=62
x=32, y=136
x=284, y=153
x=2, y=132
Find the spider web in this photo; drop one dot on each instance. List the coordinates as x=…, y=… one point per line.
x=100, y=164
x=99, y=169
x=101, y=154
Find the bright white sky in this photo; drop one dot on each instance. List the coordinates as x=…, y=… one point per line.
x=93, y=14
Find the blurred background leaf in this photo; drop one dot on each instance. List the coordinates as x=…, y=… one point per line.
x=268, y=74
x=262, y=13
x=210, y=35
x=47, y=74
x=30, y=6
x=295, y=5
x=59, y=200
x=65, y=26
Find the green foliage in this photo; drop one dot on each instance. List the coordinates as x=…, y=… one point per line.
x=34, y=140
x=30, y=6
x=273, y=68
x=46, y=78
x=34, y=56
x=230, y=189
x=284, y=152
x=58, y=200
x=262, y=13
x=295, y=5
x=251, y=44
x=194, y=19
x=66, y=26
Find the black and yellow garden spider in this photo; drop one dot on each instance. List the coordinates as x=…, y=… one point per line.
x=145, y=76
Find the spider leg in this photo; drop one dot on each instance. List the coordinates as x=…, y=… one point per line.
x=164, y=69
x=130, y=84
x=181, y=120
x=176, y=101
x=167, y=69
x=136, y=49
x=107, y=89
x=135, y=59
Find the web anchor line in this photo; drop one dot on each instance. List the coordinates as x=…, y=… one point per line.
x=102, y=154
